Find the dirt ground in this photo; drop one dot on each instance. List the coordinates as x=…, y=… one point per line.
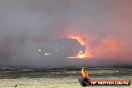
x=58, y=78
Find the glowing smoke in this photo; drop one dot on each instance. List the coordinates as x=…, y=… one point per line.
x=28, y=25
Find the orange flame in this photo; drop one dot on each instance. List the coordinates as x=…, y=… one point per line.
x=82, y=54
x=80, y=40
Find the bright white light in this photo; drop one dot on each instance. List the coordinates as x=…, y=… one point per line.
x=39, y=50
x=46, y=54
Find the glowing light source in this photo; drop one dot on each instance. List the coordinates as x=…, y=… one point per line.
x=79, y=39
x=39, y=50
x=82, y=54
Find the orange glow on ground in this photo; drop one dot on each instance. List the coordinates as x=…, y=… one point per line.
x=82, y=54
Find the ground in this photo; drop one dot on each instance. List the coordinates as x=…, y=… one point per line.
x=24, y=77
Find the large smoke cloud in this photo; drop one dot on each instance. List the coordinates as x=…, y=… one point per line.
x=26, y=26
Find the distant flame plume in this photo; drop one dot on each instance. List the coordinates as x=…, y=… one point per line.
x=82, y=54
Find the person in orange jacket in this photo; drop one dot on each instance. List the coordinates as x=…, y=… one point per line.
x=84, y=81
x=84, y=73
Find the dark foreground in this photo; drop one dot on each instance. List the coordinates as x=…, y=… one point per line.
x=24, y=77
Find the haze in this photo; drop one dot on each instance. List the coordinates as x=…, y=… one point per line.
x=28, y=25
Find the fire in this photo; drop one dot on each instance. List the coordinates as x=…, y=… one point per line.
x=80, y=40
x=82, y=54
